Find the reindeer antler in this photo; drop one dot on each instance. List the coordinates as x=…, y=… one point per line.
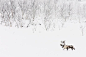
x=63, y=41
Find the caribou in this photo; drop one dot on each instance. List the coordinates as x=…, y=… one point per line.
x=64, y=46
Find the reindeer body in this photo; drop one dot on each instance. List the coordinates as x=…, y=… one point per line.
x=64, y=46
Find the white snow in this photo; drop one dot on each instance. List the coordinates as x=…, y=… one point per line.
x=22, y=42
x=36, y=41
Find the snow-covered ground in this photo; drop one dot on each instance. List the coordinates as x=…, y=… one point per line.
x=22, y=42
x=35, y=28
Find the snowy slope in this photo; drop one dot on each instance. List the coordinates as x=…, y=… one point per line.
x=22, y=42
x=69, y=24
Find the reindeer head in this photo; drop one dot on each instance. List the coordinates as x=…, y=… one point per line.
x=62, y=45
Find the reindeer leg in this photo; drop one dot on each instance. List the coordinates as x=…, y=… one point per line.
x=74, y=48
x=67, y=48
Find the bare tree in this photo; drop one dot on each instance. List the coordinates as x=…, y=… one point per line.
x=63, y=11
x=84, y=11
x=47, y=15
x=8, y=12
x=13, y=8
x=70, y=10
x=55, y=7
x=33, y=9
x=79, y=13
x=32, y=12
x=3, y=12
x=82, y=27
x=23, y=6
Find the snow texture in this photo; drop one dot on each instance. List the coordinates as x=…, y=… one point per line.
x=35, y=28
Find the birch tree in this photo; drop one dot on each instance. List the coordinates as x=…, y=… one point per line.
x=47, y=15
